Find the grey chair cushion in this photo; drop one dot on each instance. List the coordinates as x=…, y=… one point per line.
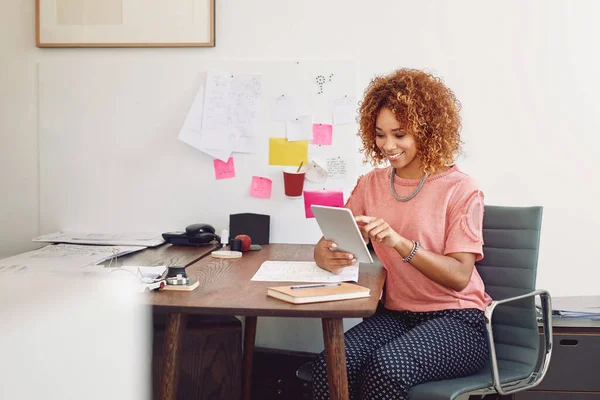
x=452, y=388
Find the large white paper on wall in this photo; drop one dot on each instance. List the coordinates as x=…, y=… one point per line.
x=191, y=131
x=231, y=107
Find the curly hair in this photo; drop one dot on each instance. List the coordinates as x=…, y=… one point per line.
x=424, y=106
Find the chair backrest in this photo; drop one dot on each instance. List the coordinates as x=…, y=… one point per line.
x=511, y=242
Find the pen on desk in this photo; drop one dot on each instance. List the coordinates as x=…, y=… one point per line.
x=315, y=286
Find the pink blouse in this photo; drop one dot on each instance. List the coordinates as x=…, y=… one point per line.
x=445, y=217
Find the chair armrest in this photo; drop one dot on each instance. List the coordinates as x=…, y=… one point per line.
x=537, y=376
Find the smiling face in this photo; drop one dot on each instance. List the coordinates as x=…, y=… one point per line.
x=397, y=145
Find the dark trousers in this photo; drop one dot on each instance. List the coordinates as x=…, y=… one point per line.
x=392, y=351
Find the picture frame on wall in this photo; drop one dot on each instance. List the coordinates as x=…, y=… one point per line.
x=125, y=23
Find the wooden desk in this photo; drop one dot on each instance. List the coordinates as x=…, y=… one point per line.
x=166, y=254
x=226, y=289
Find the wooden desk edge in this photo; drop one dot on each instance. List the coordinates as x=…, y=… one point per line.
x=292, y=313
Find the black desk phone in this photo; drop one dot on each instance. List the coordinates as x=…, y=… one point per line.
x=194, y=235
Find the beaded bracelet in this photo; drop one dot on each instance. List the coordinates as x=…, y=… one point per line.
x=412, y=253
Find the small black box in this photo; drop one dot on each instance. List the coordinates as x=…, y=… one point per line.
x=257, y=226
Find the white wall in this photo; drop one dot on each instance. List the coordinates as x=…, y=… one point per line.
x=19, y=206
x=525, y=71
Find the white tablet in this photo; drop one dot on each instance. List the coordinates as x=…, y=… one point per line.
x=339, y=226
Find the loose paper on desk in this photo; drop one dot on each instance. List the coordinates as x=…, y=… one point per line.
x=230, y=113
x=301, y=271
x=149, y=239
x=584, y=307
x=145, y=271
x=62, y=257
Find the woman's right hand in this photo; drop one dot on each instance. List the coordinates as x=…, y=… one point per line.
x=330, y=260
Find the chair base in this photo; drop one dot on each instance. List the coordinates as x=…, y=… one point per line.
x=304, y=372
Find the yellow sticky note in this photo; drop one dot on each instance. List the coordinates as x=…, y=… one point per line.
x=282, y=152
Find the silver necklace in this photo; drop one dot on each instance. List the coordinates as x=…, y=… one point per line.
x=413, y=194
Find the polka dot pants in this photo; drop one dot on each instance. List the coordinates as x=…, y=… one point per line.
x=392, y=351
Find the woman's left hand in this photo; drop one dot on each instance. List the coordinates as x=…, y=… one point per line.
x=378, y=230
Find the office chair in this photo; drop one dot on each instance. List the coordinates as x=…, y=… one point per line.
x=508, y=269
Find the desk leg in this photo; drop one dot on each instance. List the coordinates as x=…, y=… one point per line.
x=174, y=335
x=335, y=356
x=249, y=338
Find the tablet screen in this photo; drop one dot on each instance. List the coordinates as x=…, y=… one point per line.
x=338, y=225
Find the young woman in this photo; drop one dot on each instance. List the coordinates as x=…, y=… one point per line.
x=423, y=217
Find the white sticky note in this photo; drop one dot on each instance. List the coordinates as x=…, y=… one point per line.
x=299, y=128
x=230, y=112
x=283, y=108
x=345, y=111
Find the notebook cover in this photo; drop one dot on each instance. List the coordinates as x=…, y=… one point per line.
x=313, y=295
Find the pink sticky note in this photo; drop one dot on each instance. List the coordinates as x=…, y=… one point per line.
x=260, y=187
x=322, y=134
x=332, y=198
x=224, y=170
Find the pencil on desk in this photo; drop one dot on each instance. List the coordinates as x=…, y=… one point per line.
x=318, y=285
